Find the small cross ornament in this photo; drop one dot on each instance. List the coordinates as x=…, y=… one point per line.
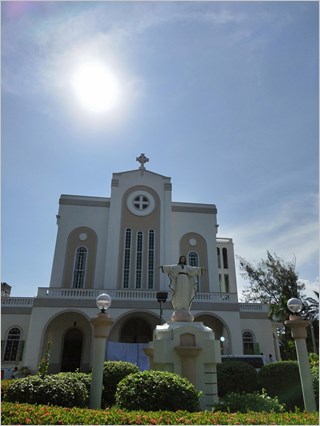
x=142, y=160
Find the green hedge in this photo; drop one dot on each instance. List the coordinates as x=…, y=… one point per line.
x=245, y=402
x=25, y=414
x=315, y=382
x=157, y=390
x=67, y=389
x=64, y=389
x=282, y=379
x=236, y=376
x=4, y=386
x=113, y=373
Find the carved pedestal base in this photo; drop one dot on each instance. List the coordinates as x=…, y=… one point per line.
x=190, y=350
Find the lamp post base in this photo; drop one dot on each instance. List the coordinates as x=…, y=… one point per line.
x=298, y=328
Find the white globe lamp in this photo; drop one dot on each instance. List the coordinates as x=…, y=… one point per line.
x=103, y=302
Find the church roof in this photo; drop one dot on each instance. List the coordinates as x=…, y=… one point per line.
x=142, y=159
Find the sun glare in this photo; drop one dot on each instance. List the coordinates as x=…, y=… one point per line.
x=96, y=87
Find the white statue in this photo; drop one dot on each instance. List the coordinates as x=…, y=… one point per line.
x=183, y=282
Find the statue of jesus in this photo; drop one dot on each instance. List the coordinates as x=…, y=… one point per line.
x=183, y=283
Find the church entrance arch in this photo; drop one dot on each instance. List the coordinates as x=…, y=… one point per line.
x=135, y=330
x=129, y=336
x=134, y=327
x=72, y=350
x=70, y=334
x=221, y=331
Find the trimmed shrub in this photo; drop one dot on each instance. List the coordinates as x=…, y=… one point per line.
x=282, y=379
x=245, y=402
x=113, y=373
x=64, y=389
x=84, y=378
x=4, y=386
x=314, y=366
x=157, y=390
x=236, y=376
x=315, y=383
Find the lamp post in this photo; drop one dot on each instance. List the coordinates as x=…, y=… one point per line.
x=298, y=328
x=222, y=339
x=101, y=325
x=161, y=298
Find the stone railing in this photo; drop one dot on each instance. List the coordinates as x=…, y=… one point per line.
x=80, y=293
x=253, y=307
x=142, y=295
x=17, y=301
x=216, y=297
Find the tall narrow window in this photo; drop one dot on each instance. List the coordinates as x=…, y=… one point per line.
x=12, y=345
x=193, y=260
x=219, y=258
x=220, y=283
x=226, y=283
x=139, y=251
x=225, y=258
x=79, y=269
x=150, y=258
x=248, y=343
x=127, y=255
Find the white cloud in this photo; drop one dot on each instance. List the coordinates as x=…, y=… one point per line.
x=311, y=287
x=291, y=232
x=36, y=46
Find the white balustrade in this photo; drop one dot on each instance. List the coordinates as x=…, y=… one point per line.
x=253, y=307
x=217, y=297
x=128, y=294
x=143, y=295
x=17, y=301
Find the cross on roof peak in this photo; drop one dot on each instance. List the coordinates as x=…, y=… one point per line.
x=142, y=160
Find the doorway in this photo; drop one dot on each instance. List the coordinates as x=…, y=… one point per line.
x=136, y=330
x=72, y=350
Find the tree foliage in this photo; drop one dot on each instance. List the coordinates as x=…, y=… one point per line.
x=310, y=312
x=272, y=281
x=311, y=307
x=44, y=363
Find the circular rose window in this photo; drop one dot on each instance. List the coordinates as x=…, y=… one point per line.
x=140, y=203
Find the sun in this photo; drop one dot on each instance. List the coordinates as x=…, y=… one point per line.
x=96, y=87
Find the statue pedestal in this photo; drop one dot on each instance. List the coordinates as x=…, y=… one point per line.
x=190, y=350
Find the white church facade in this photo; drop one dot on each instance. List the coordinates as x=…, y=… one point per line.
x=114, y=245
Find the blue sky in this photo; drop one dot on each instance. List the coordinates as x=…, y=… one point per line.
x=221, y=96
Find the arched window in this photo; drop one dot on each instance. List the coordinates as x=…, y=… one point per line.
x=219, y=258
x=139, y=251
x=79, y=270
x=150, y=258
x=248, y=343
x=127, y=255
x=225, y=258
x=193, y=260
x=12, y=345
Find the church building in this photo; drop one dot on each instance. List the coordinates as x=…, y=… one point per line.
x=115, y=245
